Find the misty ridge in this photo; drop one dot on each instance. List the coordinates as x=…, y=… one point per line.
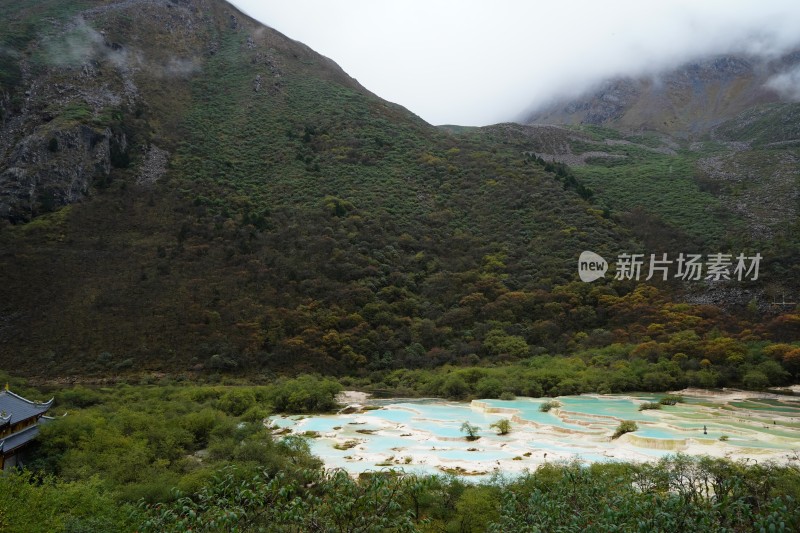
x=776, y=70
x=775, y=64
x=689, y=98
x=786, y=84
x=484, y=64
x=768, y=57
x=79, y=45
x=518, y=81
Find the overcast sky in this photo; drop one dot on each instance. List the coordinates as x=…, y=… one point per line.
x=475, y=62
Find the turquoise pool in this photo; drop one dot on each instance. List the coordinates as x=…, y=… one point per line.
x=426, y=435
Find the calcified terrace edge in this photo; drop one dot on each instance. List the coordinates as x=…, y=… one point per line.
x=532, y=444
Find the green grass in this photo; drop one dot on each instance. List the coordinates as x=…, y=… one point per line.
x=76, y=112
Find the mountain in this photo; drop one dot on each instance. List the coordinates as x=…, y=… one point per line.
x=739, y=181
x=184, y=189
x=686, y=101
x=705, y=153
x=85, y=93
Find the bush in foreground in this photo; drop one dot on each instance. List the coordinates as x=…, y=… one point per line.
x=679, y=493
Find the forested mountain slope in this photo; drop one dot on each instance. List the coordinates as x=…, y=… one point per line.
x=185, y=190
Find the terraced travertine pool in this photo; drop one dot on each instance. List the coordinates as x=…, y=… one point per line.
x=425, y=435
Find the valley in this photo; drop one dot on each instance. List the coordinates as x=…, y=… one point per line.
x=208, y=231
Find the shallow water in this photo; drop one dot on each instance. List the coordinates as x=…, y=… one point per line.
x=425, y=435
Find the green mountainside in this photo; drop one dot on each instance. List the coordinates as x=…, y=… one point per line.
x=242, y=180
x=708, y=150
x=734, y=187
x=185, y=190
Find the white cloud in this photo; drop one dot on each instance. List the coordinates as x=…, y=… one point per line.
x=787, y=84
x=478, y=62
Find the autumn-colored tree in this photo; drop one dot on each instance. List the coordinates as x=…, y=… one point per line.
x=791, y=361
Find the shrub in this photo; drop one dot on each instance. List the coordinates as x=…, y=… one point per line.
x=305, y=394
x=124, y=364
x=470, y=430
x=235, y=402
x=489, y=388
x=346, y=445
x=255, y=414
x=534, y=390
x=503, y=426
x=649, y=405
x=79, y=397
x=455, y=387
x=755, y=380
x=200, y=424
x=626, y=426
x=549, y=404
x=671, y=399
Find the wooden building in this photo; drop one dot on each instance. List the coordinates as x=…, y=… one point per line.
x=19, y=425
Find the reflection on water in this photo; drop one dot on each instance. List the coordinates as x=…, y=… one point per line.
x=426, y=436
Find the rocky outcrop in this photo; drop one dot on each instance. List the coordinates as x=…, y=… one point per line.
x=47, y=170
x=154, y=166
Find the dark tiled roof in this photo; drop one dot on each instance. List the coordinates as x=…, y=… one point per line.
x=20, y=438
x=18, y=408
